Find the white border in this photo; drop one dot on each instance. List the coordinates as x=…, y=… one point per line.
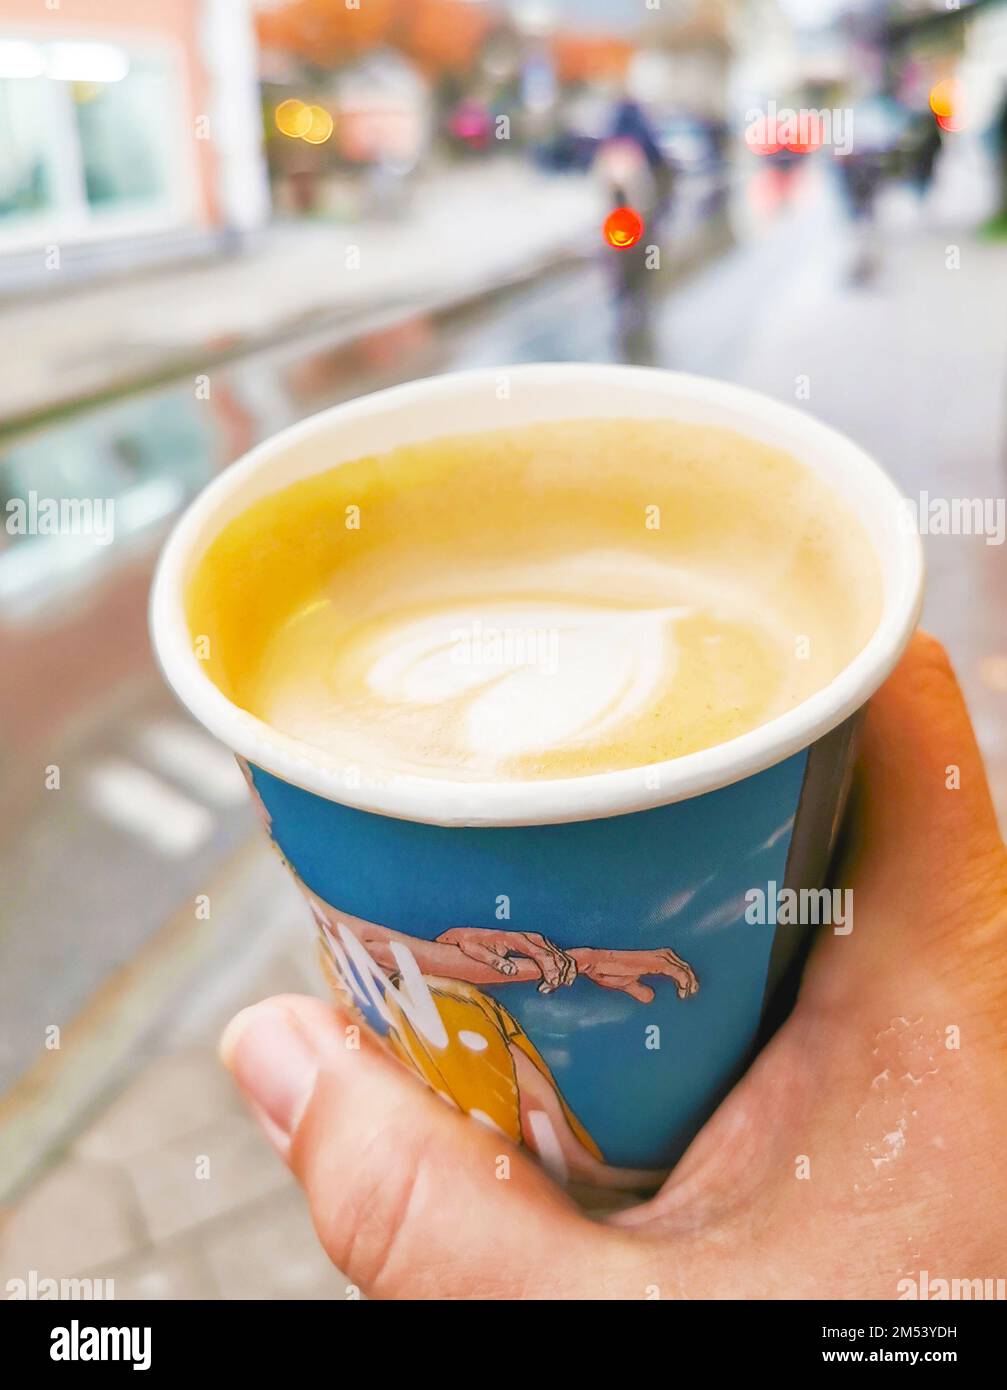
x=467, y=401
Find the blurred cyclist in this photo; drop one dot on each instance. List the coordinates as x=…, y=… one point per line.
x=637, y=175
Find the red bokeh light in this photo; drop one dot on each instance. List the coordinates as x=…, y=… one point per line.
x=623, y=228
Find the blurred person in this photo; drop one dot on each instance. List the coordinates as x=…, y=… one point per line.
x=632, y=127
x=636, y=174
x=404, y=1190
x=863, y=172
x=925, y=145
x=860, y=176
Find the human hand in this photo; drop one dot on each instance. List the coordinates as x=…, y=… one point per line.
x=614, y=969
x=900, y=1132
x=491, y=947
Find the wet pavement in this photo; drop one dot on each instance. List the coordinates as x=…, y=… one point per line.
x=912, y=364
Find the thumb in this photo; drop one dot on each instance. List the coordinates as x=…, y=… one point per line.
x=924, y=858
x=410, y=1198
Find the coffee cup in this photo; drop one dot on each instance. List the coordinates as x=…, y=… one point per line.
x=585, y=963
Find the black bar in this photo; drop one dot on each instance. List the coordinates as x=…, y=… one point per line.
x=303, y=1339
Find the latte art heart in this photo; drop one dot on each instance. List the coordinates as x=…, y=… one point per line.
x=530, y=677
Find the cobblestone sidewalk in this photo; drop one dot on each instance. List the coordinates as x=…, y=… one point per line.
x=172, y=1191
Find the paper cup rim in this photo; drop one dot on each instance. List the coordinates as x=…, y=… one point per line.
x=442, y=801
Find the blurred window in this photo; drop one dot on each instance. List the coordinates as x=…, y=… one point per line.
x=124, y=137
x=26, y=158
x=92, y=141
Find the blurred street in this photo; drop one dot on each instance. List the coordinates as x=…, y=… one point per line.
x=140, y=905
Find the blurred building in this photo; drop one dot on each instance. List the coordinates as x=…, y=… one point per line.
x=696, y=47
x=129, y=133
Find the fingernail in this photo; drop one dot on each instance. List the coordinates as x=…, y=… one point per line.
x=274, y=1064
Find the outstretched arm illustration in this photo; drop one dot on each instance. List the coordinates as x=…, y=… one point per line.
x=609, y=968
x=487, y=956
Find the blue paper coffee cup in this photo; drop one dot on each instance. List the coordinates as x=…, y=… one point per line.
x=584, y=964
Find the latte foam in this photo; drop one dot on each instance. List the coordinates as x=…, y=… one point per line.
x=513, y=607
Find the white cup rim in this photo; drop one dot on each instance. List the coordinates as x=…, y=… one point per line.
x=594, y=390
